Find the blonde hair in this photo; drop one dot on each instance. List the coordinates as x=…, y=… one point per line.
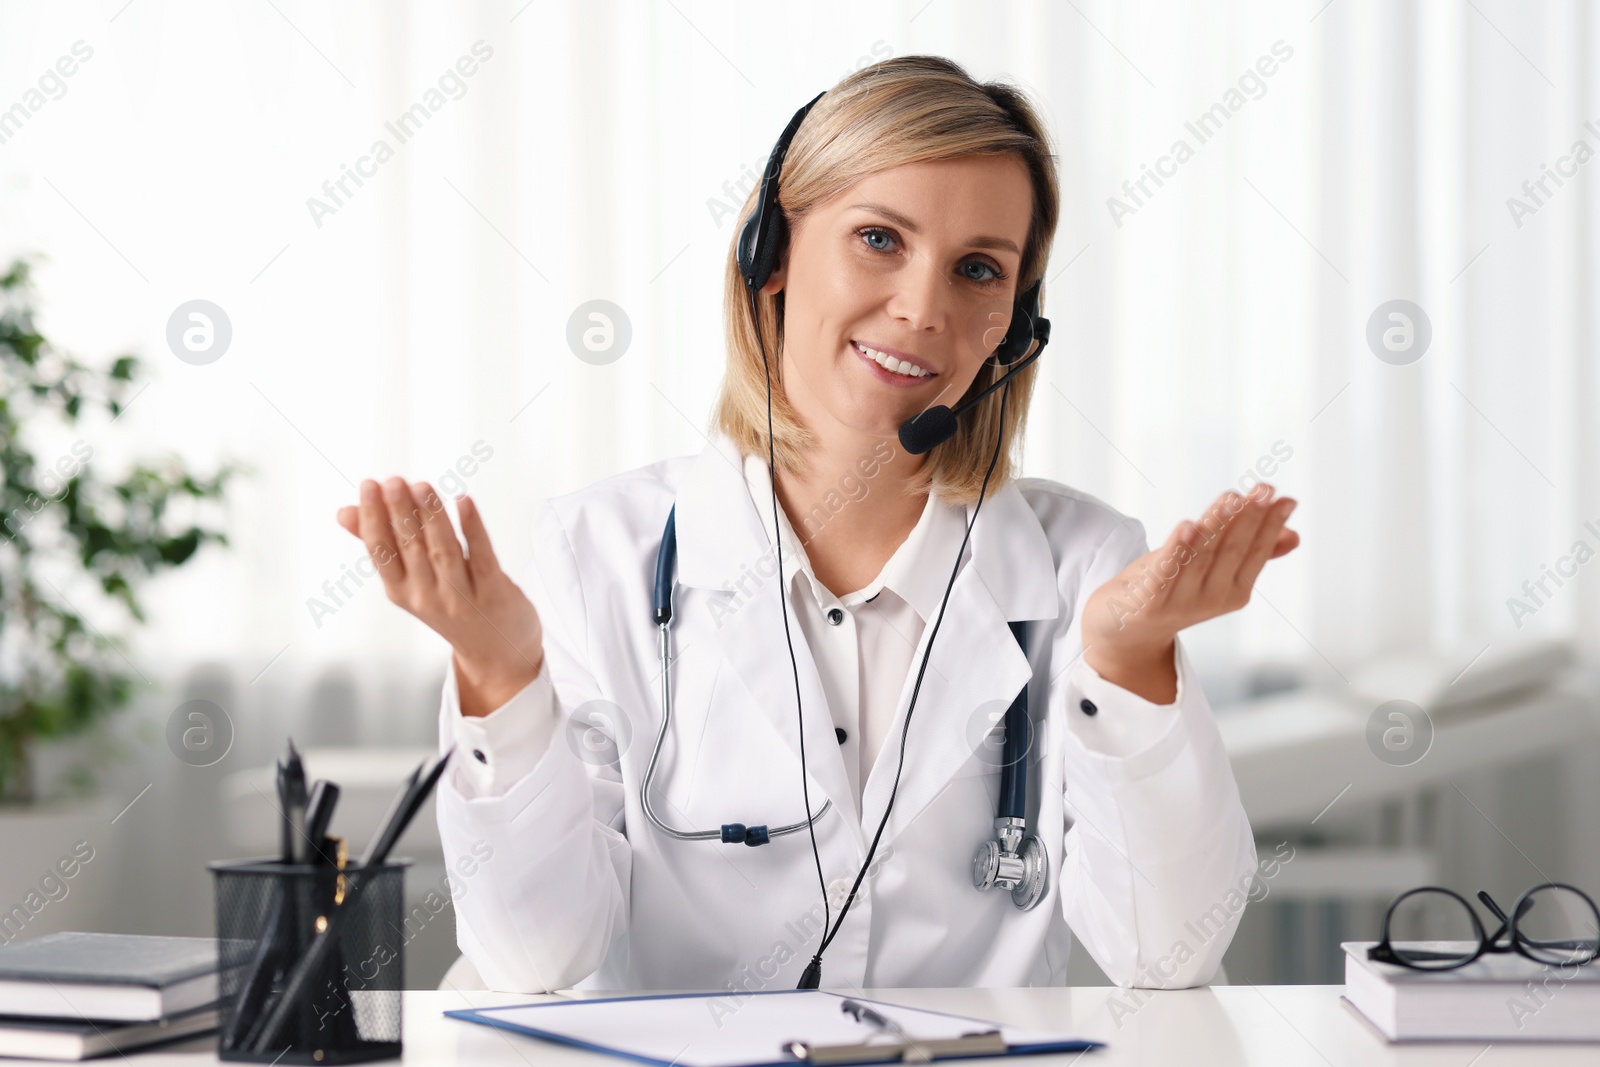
x=909, y=109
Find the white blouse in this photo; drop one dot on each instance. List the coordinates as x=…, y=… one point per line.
x=864, y=642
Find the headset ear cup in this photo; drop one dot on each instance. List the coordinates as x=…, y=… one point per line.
x=758, y=257
x=1024, y=327
x=770, y=248
x=1018, y=339
x=748, y=238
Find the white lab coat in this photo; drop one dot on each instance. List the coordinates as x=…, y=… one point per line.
x=1150, y=852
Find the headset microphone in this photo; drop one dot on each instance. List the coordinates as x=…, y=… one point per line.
x=928, y=429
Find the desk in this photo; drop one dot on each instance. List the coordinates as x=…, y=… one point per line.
x=1218, y=1026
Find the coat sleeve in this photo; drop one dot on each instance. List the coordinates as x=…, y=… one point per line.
x=538, y=820
x=1158, y=857
x=497, y=750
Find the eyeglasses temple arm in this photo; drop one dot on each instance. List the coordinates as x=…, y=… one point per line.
x=1496, y=910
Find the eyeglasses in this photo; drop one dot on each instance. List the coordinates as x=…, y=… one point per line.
x=1551, y=923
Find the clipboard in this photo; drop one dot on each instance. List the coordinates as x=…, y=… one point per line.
x=755, y=1028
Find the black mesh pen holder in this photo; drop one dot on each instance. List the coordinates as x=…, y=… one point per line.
x=310, y=961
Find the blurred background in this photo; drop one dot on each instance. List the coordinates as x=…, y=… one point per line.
x=1345, y=246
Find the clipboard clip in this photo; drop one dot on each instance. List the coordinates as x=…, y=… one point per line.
x=978, y=1043
x=906, y=1050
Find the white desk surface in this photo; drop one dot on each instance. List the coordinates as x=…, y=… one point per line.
x=1217, y=1026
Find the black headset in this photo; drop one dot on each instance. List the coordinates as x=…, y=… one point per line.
x=762, y=239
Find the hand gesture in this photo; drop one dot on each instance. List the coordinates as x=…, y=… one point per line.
x=1202, y=570
x=467, y=599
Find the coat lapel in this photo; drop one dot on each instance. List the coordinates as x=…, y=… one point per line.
x=976, y=667
x=976, y=663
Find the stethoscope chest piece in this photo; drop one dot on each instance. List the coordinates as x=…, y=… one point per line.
x=1014, y=859
x=1017, y=865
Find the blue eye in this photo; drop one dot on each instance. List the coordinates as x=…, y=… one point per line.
x=994, y=275
x=873, y=231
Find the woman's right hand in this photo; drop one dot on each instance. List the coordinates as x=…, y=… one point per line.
x=468, y=600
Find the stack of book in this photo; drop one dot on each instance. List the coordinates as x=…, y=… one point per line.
x=1498, y=997
x=71, y=996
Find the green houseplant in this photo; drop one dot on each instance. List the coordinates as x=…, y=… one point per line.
x=60, y=673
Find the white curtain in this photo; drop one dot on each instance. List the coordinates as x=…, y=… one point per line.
x=419, y=321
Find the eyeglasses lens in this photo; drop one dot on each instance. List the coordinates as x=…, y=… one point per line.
x=1559, y=926
x=1432, y=930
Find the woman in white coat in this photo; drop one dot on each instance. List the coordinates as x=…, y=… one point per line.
x=919, y=205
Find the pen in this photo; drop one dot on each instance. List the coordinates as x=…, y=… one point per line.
x=286, y=831
x=378, y=851
x=863, y=1014
x=295, y=805
x=319, y=813
x=396, y=806
x=257, y=977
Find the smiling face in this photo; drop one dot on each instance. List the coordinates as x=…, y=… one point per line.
x=914, y=265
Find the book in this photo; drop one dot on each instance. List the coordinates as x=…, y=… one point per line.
x=79, y=1039
x=1500, y=996
x=123, y=977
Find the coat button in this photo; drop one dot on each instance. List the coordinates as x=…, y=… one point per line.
x=835, y=616
x=838, y=731
x=1087, y=706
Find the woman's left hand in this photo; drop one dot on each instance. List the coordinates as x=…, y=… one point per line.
x=1200, y=572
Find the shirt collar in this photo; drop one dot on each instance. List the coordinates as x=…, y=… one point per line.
x=918, y=571
x=719, y=532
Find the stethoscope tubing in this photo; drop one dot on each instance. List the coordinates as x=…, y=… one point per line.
x=666, y=560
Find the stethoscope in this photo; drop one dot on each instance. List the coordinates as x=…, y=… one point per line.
x=1013, y=859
